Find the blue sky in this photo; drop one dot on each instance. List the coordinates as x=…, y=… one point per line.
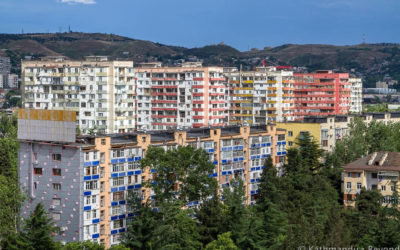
x=242, y=24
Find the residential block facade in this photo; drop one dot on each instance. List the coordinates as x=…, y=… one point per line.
x=355, y=95
x=377, y=171
x=83, y=183
x=180, y=97
x=328, y=130
x=322, y=93
x=97, y=89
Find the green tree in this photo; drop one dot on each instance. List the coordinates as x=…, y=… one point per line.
x=38, y=229
x=185, y=167
x=140, y=230
x=224, y=242
x=211, y=219
x=79, y=245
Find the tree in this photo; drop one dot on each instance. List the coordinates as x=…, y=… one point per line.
x=224, y=242
x=237, y=216
x=183, y=167
x=211, y=219
x=140, y=231
x=38, y=229
x=79, y=245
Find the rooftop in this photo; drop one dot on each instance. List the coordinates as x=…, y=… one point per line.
x=377, y=161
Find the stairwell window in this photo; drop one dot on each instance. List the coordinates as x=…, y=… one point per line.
x=56, y=186
x=56, y=157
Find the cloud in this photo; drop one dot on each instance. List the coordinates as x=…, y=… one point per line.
x=78, y=1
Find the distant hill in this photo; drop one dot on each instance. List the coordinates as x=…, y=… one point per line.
x=372, y=61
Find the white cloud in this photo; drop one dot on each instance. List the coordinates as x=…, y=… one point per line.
x=78, y=1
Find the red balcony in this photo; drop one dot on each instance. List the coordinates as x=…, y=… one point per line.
x=217, y=109
x=216, y=86
x=171, y=79
x=217, y=117
x=164, y=124
x=198, y=117
x=164, y=101
x=217, y=79
x=198, y=109
x=198, y=94
x=315, y=90
x=164, y=109
x=164, y=87
x=197, y=125
x=216, y=94
x=215, y=102
x=198, y=86
x=198, y=79
x=165, y=93
x=198, y=102
x=163, y=116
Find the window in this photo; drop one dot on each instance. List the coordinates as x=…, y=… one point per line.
x=95, y=228
x=103, y=141
x=349, y=175
x=358, y=185
x=87, y=171
x=348, y=185
x=87, y=215
x=38, y=171
x=56, y=202
x=93, y=198
x=290, y=133
x=118, y=181
x=374, y=175
x=94, y=213
x=91, y=185
x=102, y=156
x=391, y=188
x=358, y=175
x=118, y=167
x=57, y=186
x=374, y=187
x=118, y=223
x=325, y=143
x=57, y=171
x=290, y=143
x=117, y=196
x=56, y=157
x=383, y=188
x=56, y=216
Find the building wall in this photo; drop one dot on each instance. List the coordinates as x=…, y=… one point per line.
x=356, y=95
x=322, y=93
x=39, y=188
x=86, y=87
x=294, y=129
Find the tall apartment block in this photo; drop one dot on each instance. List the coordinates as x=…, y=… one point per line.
x=355, y=95
x=180, y=97
x=322, y=93
x=376, y=171
x=261, y=96
x=83, y=181
x=98, y=90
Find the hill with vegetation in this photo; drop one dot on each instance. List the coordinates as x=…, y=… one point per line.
x=371, y=61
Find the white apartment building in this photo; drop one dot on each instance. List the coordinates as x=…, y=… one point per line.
x=99, y=90
x=261, y=96
x=355, y=95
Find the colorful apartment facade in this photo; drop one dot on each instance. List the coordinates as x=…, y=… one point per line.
x=328, y=130
x=180, y=97
x=83, y=181
x=261, y=96
x=322, y=93
x=377, y=171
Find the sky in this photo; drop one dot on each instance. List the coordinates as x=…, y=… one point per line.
x=243, y=24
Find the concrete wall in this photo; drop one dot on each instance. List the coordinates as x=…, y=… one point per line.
x=39, y=188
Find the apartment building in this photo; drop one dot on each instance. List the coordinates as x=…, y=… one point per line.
x=379, y=171
x=322, y=93
x=12, y=81
x=83, y=181
x=328, y=130
x=261, y=96
x=180, y=97
x=355, y=95
x=98, y=90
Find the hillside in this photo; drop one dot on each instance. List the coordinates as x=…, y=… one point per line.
x=372, y=61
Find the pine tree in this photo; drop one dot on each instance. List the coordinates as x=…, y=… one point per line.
x=38, y=229
x=211, y=219
x=224, y=242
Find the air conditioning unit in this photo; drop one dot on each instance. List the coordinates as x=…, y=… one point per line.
x=63, y=229
x=52, y=207
x=35, y=162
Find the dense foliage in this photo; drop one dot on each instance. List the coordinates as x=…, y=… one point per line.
x=301, y=208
